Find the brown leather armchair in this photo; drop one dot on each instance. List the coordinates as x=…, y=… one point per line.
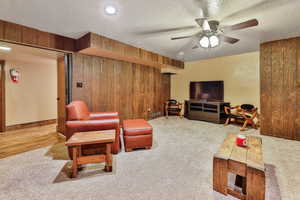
x=79, y=119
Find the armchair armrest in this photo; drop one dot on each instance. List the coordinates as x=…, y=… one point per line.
x=103, y=115
x=91, y=125
x=180, y=105
x=228, y=109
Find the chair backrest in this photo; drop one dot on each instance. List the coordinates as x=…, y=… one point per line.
x=247, y=107
x=172, y=101
x=77, y=110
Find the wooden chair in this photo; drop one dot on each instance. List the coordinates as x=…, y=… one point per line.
x=245, y=114
x=173, y=107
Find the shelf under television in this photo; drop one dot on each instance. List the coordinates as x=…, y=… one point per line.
x=212, y=111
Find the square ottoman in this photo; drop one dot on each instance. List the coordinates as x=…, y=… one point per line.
x=137, y=133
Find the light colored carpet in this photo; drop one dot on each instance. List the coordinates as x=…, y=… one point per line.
x=178, y=167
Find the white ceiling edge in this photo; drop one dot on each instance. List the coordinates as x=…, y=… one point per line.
x=278, y=19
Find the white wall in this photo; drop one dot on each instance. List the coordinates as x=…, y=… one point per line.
x=34, y=97
x=240, y=74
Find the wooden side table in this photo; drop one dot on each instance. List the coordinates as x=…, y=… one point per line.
x=247, y=163
x=93, y=137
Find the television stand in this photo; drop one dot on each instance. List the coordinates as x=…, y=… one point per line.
x=211, y=111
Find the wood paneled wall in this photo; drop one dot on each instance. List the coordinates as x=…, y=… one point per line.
x=111, y=85
x=97, y=45
x=25, y=35
x=280, y=88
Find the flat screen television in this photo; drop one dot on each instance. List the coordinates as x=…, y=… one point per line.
x=207, y=90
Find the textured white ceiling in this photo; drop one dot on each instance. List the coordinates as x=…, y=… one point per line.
x=278, y=19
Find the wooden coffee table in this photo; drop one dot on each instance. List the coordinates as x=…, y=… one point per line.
x=247, y=163
x=93, y=137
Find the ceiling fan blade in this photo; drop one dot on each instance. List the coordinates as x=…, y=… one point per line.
x=182, y=37
x=243, y=25
x=191, y=43
x=253, y=8
x=159, y=31
x=229, y=40
x=188, y=36
x=196, y=47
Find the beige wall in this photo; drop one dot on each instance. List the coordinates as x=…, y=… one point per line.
x=240, y=74
x=34, y=97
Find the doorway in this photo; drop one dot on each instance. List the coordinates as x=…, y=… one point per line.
x=38, y=94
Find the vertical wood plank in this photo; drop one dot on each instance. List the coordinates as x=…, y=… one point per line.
x=43, y=39
x=266, y=89
x=29, y=35
x=12, y=32
x=297, y=105
x=277, y=88
x=289, y=88
x=1, y=29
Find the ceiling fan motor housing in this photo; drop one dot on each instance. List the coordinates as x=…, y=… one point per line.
x=214, y=25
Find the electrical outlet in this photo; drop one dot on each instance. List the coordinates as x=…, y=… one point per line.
x=79, y=84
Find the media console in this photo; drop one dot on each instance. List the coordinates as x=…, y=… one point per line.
x=211, y=111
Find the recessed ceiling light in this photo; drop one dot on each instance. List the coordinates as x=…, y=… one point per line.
x=110, y=10
x=5, y=48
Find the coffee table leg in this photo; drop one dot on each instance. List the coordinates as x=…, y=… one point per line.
x=108, y=158
x=220, y=175
x=79, y=154
x=74, y=166
x=256, y=184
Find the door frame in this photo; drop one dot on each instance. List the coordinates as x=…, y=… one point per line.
x=68, y=82
x=68, y=76
x=64, y=89
x=2, y=97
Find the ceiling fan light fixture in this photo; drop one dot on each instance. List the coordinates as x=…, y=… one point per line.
x=204, y=42
x=214, y=41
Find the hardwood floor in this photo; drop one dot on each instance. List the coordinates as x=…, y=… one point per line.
x=23, y=140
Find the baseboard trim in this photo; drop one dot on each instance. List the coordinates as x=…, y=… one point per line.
x=30, y=124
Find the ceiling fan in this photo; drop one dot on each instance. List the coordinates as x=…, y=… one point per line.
x=212, y=33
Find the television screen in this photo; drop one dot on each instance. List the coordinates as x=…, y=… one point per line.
x=207, y=90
